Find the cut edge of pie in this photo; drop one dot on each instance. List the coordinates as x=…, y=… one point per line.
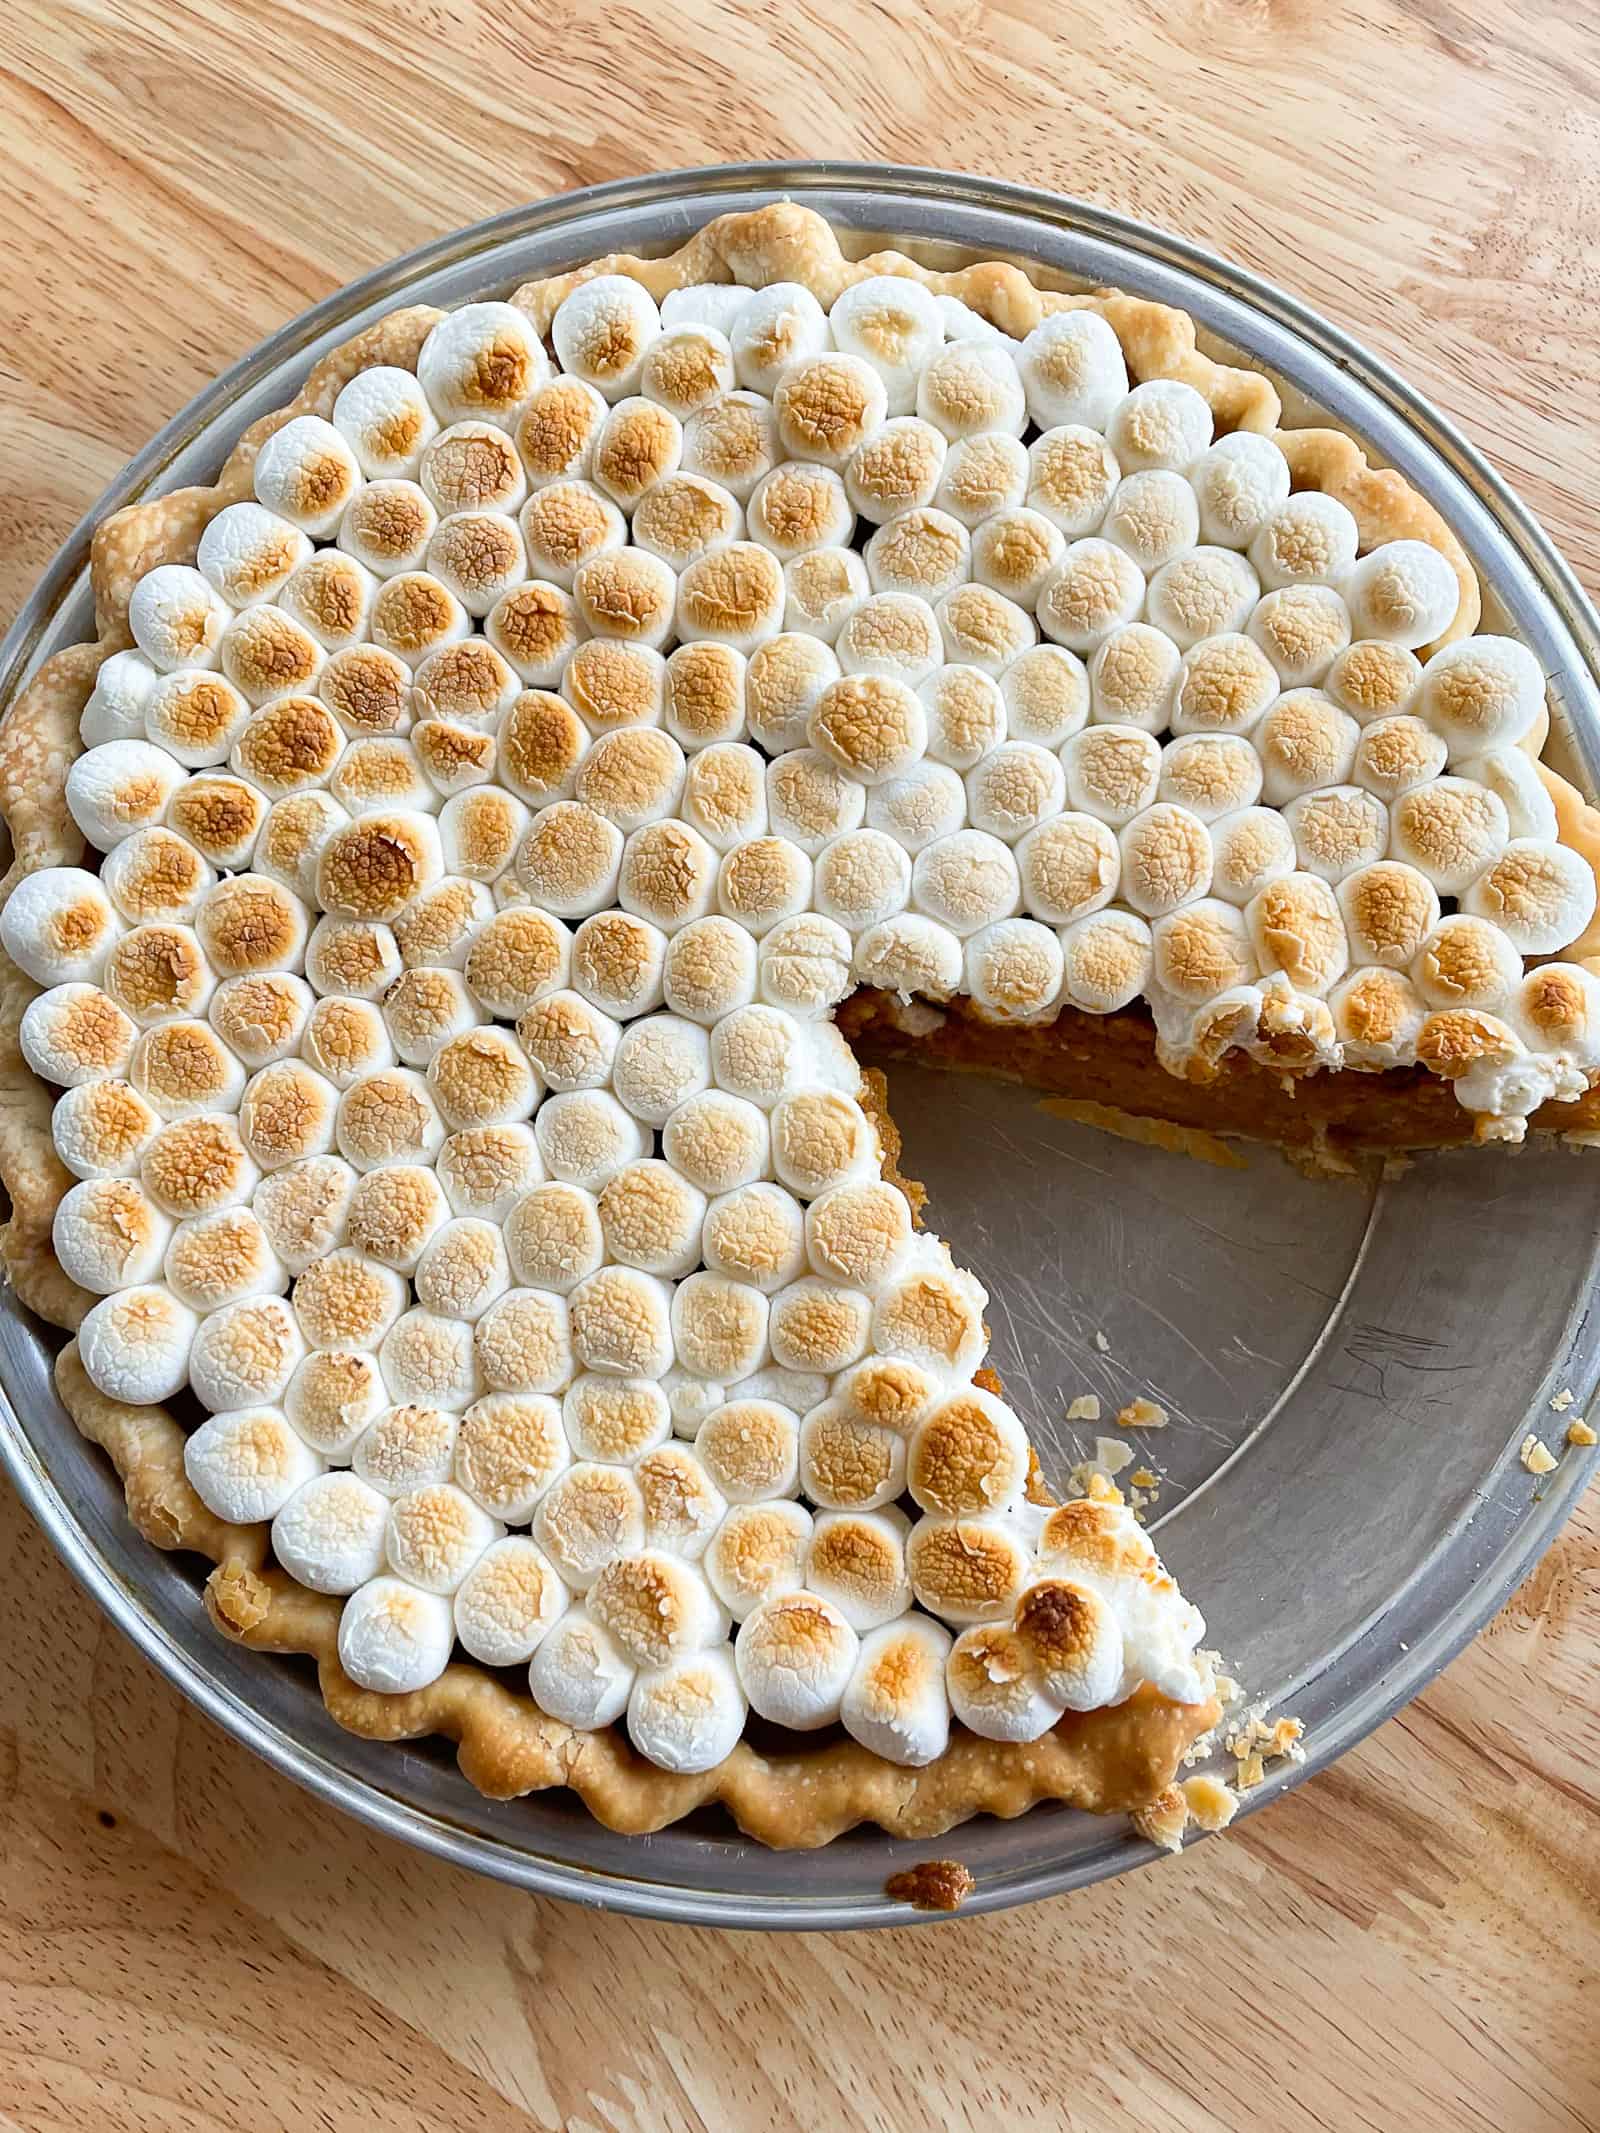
x=1114, y=1758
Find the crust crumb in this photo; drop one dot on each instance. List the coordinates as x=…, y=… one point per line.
x=1536, y=1457
x=1257, y=1741
x=1142, y=1414
x=1085, y=1408
x=1164, y=1821
x=1561, y=1401
x=1580, y=1435
x=1212, y=1806
x=935, y=1885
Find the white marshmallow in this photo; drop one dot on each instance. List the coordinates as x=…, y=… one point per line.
x=1091, y=590
x=578, y=1675
x=177, y=618
x=118, y=788
x=329, y=1535
x=982, y=475
x=660, y=1060
x=910, y=953
x=925, y=803
x=892, y=323
x=776, y=326
x=1481, y=693
x=1106, y=961
x=1207, y=593
x=1450, y=831
x=720, y=1328
x=822, y=589
x=1302, y=629
x=102, y=1129
x=109, y=1235
x=1539, y=893
x=1404, y=592
x=603, y=331
x=247, y=1464
x=622, y=1323
x=795, y=1655
x=1133, y=676
x=1014, y=970
x=393, y=1638
x=589, y=1516
x=249, y=553
x=805, y=966
x=508, y=1602
x=1072, y=370
x=1514, y=780
x=485, y=1170
x=307, y=473
x=971, y=387
x=302, y=1209
x=384, y=416
x=1016, y=787
x=1239, y=482
x=135, y=1345
x=123, y=686
x=966, y=881
x=1249, y=850
x=74, y=1034
x=341, y=1299
x=717, y=1141
x=688, y=1715
x=895, y=1703
x=994, y=1685
x=718, y=305
x=1211, y=774
x=1309, y=540
x=429, y=1360
x=483, y=361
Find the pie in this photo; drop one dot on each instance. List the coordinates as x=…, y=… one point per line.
x=460, y=897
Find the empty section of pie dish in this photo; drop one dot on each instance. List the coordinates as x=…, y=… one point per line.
x=1228, y=1387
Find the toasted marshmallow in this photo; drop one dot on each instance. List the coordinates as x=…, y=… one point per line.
x=514, y=959
x=798, y=507
x=198, y=1166
x=966, y=881
x=485, y=1170
x=1302, y=629
x=542, y=743
x=1296, y=926
x=108, y=1234
x=922, y=551
x=1373, y=679
x=302, y=1209
x=329, y=1535
x=996, y=1687
x=720, y=1328
x=849, y=1464
x=222, y=1258
x=292, y=745
x=424, y=1009
x=1106, y=961
x=968, y=1457
x=263, y=1016
x=1540, y=894
x=667, y=875
x=436, y=1534
x=384, y=417
x=732, y=441
x=123, y=685
x=1016, y=787
x=589, y=1516
x=480, y=832
x=682, y=1505
x=784, y=684
x=1092, y=589
x=1072, y=370
x=716, y=1141
x=1208, y=592
x=1338, y=830
x=603, y=331
x=688, y=366
x=1481, y=693
x=1239, y=483
x=861, y=879
x=1451, y=831
x=102, y=1128
x=926, y=803
x=177, y=618
x=1072, y=477
x=415, y=613
x=393, y=1638
x=896, y=1704
x=1309, y=540
x=1210, y=774
x=822, y=589
x=705, y=692
x=1225, y=685
x=1556, y=1010
x=578, y=1675
x=620, y=1321
x=628, y=595
x=750, y=1449
x=640, y=443
x=758, y=1554
x=1014, y=969
x=1153, y=515
x=1305, y=743
x=1389, y=911
x=288, y=1111
x=971, y=387
x=135, y=1345
x=564, y=528
x=755, y=1233
x=295, y=831
x=821, y=1139
x=373, y=869
x=331, y=596
x=483, y=361
x=827, y=405
x=389, y=1117
x=896, y=469
x=195, y=715
x=615, y=1420
x=657, y=1607
x=660, y=1061
x=250, y=923
x=1202, y=950
x=1396, y=754
x=779, y=325
x=1016, y=552
x=1377, y=1016
x=795, y=1654
x=508, y=1602
x=387, y=527
x=983, y=633
x=1161, y=423
x=537, y=627
x=353, y=956
x=472, y=467
x=1073, y=1642
x=556, y=431
x=430, y=1361
x=1249, y=850
x=760, y=1053
x=1133, y=678
x=153, y=974
x=910, y=953
x=859, y=1234
x=805, y=966
x=618, y=961
x=632, y=777
x=484, y=1078
x=818, y=1325
x=480, y=557
x=75, y=1034
x=462, y=1270
x=932, y=1315
x=688, y=1715
x=456, y=759
x=393, y=1214
x=967, y=1569
x=1466, y=962
x=857, y=1562
x=691, y=1400
x=183, y=1067
x=710, y=969
x=247, y=1464
x=1404, y=592
x=733, y=595
x=511, y=1448
x=981, y=475
x=118, y=788
x=683, y=517
x=523, y=1342
x=650, y=1218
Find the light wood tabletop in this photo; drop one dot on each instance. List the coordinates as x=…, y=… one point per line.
x=186, y=1941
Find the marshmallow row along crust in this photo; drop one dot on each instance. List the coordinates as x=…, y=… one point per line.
x=490, y=821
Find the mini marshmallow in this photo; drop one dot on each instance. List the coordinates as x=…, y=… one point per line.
x=628, y=595
x=430, y=1361
x=682, y=1505
x=1540, y=894
x=603, y=331
x=750, y=1449
x=910, y=953
x=554, y=1236
x=971, y=387
x=387, y=528
x=859, y=1234
x=523, y=1343
x=922, y=551
x=640, y=443
x=1014, y=789
x=424, y=1009
x=589, y=1516
x=805, y=966
x=1377, y=1017
x=1016, y=553
x=468, y=683
x=1302, y=629
x=733, y=442
x=245, y=1465
x=102, y=1128
x=393, y=1638
x=291, y=745
x=799, y=507
x=982, y=475
x=384, y=417
x=651, y=1219
x=756, y=1234
x=484, y=360
x=710, y=970
x=857, y=1562
x=995, y=1686
x=717, y=1141
x=177, y=619
x=1309, y=540
x=1249, y=850
x=389, y=1117
x=472, y=467
x=118, y=788
x=578, y=1676
x=1239, y=483
x=684, y=517
x=688, y=366
x=617, y=963
x=480, y=832
x=566, y=526
x=508, y=1602
x=925, y=803
x=758, y=1554
x=222, y=1258
x=818, y=1325
x=615, y=1420
x=966, y=881
x=536, y=628
x=331, y=596
x=123, y=686
x=307, y=473
x=687, y=1716
x=1072, y=370
x=795, y=1657
x=479, y=556
x=1074, y=1642
x=967, y=1570
x=1466, y=962
x=249, y=923
x=569, y=863
x=1013, y=970
x=760, y=1053
x=1450, y=831
x=1305, y=742
x=777, y=326
x=414, y=614
x=714, y=304
x=183, y=1067
x=197, y=1166
x=1389, y=910
x=1201, y=951
x=1153, y=515
x=302, y=1209
x=329, y=1535
x=483, y=1078
x=720, y=1328
x=1106, y=961
x=968, y=1457
x=1133, y=677
x=75, y=1034
x=462, y=1270
x=394, y=1212
x=660, y=1061
x=156, y=876
x=632, y=777
x=822, y=590
x=1089, y=591
x=1511, y=775
x=556, y=431
x=135, y=1345
x=1211, y=774
x=485, y=1170
x=542, y=742
x=1225, y=685
x=861, y=879
x=1162, y=423
x=667, y=876
x=1072, y=477
x=1372, y=679
x=515, y=958
x=294, y=833
x=1404, y=592
x=895, y=1704
x=435, y=1534
x=783, y=685
x=1395, y=754
x=511, y=1448
x=705, y=690
x=846, y=1464
x=657, y=1607
x=827, y=405
x=1480, y=693
x=734, y=595
x=1556, y=1009
x=896, y=469
x=1296, y=927
x=620, y=1321
x=982, y=631
x=1208, y=592
x=195, y=715
x=932, y=1315
x=262, y=1016
x=108, y=1234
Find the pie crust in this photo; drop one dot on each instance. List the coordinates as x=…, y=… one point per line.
x=1115, y=1758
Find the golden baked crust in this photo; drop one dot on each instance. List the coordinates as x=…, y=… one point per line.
x=1118, y=1758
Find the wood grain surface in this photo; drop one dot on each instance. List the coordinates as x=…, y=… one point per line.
x=1411, y=1940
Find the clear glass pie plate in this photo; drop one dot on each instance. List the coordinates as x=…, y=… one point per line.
x=1349, y=1366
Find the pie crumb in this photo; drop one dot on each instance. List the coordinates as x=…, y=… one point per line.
x=1211, y=1805
x=1143, y=1477
x=935, y=1885
x=1579, y=1433
x=1102, y=1344
x=1164, y=1821
x=1085, y=1408
x=1257, y=1741
x=1561, y=1401
x=1536, y=1457
x=1143, y=1414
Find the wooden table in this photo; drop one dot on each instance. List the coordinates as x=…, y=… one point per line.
x=186, y=1941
